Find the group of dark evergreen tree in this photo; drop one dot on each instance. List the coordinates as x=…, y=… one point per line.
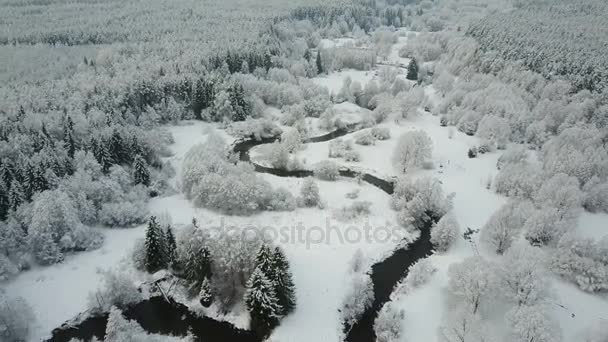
x=160, y=247
x=270, y=290
x=52, y=158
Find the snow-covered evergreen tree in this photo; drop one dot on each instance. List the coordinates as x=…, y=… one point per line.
x=412, y=70
x=283, y=282
x=155, y=247
x=206, y=297
x=141, y=174
x=262, y=303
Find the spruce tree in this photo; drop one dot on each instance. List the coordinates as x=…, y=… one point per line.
x=283, y=282
x=319, y=63
x=4, y=202
x=155, y=259
x=16, y=195
x=264, y=261
x=117, y=149
x=141, y=175
x=205, y=293
x=412, y=70
x=267, y=60
x=262, y=303
x=68, y=136
x=171, y=245
x=104, y=159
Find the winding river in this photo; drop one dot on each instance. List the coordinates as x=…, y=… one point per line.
x=156, y=315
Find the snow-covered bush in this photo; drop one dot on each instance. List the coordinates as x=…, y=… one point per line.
x=292, y=140
x=254, y=129
x=561, y=192
x=118, y=289
x=515, y=154
x=123, y=214
x=309, y=194
x=518, y=180
x=327, y=170
x=596, y=195
x=365, y=138
x=359, y=298
x=352, y=156
x=505, y=225
x=444, y=232
x=338, y=148
x=546, y=226
x=55, y=228
x=388, y=325
x=381, y=133
x=277, y=155
x=282, y=200
x=419, y=201
x=495, y=130
x=418, y=274
x=412, y=150
x=353, y=194
x=16, y=317
x=354, y=210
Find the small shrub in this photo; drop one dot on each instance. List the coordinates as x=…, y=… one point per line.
x=327, y=170
x=381, y=133
x=365, y=138
x=472, y=152
x=356, y=209
x=353, y=194
x=352, y=156
x=309, y=194
x=282, y=200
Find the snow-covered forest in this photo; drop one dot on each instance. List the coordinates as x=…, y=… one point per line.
x=359, y=170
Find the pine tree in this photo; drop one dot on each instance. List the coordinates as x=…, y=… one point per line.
x=239, y=104
x=262, y=303
x=171, y=245
x=412, y=70
x=104, y=158
x=205, y=293
x=117, y=149
x=155, y=259
x=68, y=137
x=264, y=261
x=16, y=195
x=283, y=282
x=141, y=175
x=4, y=202
x=319, y=63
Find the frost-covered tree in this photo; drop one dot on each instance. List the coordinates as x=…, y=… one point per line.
x=444, y=232
x=118, y=288
x=546, y=226
x=262, y=303
x=472, y=280
x=327, y=170
x=170, y=245
x=155, y=247
x=413, y=149
x=16, y=318
x=141, y=174
x=523, y=275
x=319, y=62
x=358, y=299
x=55, y=228
x=532, y=323
x=388, y=326
x=420, y=201
x=462, y=325
x=505, y=225
x=418, y=274
x=562, y=193
x=583, y=262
